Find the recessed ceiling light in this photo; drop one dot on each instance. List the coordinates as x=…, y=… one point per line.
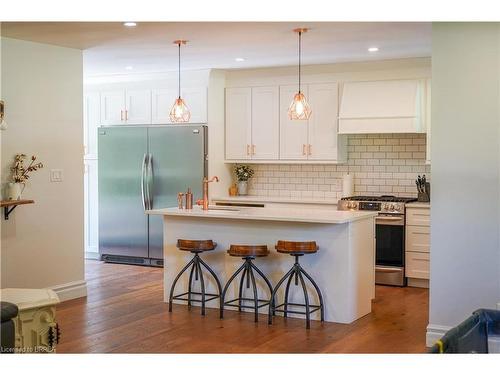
x=130, y=24
x=373, y=49
x=239, y=59
x=129, y=67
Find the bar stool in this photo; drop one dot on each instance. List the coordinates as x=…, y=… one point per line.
x=297, y=249
x=196, y=247
x=247, y=253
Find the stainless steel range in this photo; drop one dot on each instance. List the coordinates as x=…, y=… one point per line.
x=390, y=234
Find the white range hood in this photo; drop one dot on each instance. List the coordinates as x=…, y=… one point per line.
x=382, y=107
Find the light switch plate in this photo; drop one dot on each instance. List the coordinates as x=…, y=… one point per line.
x=56, y=175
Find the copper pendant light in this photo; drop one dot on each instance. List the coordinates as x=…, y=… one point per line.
x=180, y=111
x=299, y=108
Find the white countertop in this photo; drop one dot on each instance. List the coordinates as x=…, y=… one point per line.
x=418, y=205
x=264, y=199
x=320, y=216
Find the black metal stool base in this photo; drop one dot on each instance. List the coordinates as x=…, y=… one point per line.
x=195, y=265
x=247, y=268
x=297, y=273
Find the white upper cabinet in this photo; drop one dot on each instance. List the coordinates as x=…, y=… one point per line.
x=163, y=100
x=294, y=141
x=238, y=123
x=113, y=107
x=138, y=107
x=91, y=120
x=265, y=123
x=323, y=126
x=428, y=121
x=382, y=107
x=196, y=100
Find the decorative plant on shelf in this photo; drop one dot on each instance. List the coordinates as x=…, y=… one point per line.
x=243, y=174
x=20, y=174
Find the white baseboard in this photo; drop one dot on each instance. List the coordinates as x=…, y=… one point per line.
x=92, y=255
x=434, y=333
x=75, y=289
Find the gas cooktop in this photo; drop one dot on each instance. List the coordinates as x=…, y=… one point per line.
x=382, y=198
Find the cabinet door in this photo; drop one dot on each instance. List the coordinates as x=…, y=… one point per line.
x=428, y=120
x=113, y=107
x=265, y=123
x=238, y=123
x=91, y=211
x=418, y=239
x=417, y=265
x=293, y=133
x=196, y=100
x=323, y=129
x=162, y=102
x=91, y=120
x=138, y=107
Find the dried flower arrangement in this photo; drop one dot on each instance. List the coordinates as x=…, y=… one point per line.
x=20, y=173
x=243, y=172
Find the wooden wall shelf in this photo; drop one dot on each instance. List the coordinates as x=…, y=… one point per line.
x=9, y=205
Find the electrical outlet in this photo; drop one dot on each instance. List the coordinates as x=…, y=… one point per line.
x=56, y=175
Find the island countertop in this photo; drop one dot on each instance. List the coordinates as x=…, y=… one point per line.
x=320, y=216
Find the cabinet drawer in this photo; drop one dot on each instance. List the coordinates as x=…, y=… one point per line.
x=417, y=265
x=418, y=239
x=418, y=216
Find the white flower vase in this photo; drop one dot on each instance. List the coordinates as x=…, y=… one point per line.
x=15, y=190
x=242, y=187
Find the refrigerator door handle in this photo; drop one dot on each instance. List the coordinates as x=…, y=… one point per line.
x=150, y=181
x=143, y=181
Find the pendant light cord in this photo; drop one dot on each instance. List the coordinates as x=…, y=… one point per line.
x=300, y=52
x=179, y=70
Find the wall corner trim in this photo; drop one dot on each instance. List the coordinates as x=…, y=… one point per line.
x=72, y=290
x=434, y=333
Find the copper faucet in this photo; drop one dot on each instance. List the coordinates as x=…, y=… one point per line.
x=204, y=202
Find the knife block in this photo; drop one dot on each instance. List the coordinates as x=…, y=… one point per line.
x=426, y=196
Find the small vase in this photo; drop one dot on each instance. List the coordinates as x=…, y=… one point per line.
x=242, y=187
x=15, y=190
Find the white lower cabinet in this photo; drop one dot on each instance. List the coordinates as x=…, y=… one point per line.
x=418, y=243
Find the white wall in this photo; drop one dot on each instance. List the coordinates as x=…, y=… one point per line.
x=465, y=255
x=42, y=244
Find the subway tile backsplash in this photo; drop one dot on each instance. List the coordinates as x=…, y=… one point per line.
x=380, y=164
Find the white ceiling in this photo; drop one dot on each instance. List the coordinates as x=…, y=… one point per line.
x=109, y=47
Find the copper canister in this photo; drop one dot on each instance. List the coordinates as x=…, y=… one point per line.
x=189, y=199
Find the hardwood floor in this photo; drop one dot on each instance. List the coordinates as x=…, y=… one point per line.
x=124, y=312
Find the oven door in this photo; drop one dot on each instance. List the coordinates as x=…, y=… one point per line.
x=390, y=250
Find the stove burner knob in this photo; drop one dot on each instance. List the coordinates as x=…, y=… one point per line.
x=391, y=207
x=386, y=207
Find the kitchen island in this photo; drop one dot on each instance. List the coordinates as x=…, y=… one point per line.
x=343, y=267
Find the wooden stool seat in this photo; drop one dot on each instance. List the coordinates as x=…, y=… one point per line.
x=196, y=245
x=248, y=251
x=296, y=247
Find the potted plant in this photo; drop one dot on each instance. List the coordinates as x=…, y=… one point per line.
x=20, y=174
x=243, y=174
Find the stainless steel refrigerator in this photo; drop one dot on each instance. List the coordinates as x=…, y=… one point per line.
x=139, y=168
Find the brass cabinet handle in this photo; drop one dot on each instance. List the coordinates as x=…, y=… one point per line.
x=304, y=149
x=253, y=149
x=248, y=150
x=121, y=115
x=126, y=115
x=310, y=150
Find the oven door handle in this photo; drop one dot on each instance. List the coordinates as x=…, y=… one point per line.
x=387, y=269
x=388, y=220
